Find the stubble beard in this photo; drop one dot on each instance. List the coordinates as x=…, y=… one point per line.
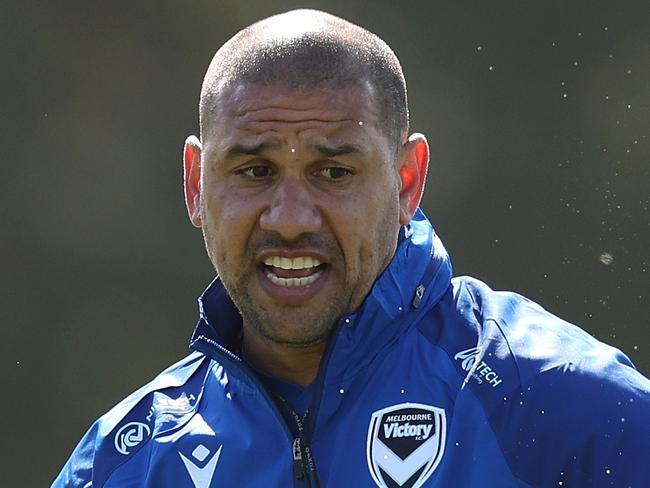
x=287, y=325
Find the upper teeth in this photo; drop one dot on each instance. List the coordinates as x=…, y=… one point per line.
x=301, y=262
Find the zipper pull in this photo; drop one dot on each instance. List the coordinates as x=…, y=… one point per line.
x=419, y=293
x=298, y=466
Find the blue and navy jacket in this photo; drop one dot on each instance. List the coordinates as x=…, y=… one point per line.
x=432, y=382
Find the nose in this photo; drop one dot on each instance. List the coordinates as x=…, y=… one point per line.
x=292, y=210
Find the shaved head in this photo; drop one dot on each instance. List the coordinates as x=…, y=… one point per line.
x=305, y=49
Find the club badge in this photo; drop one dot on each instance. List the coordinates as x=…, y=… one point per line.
x=405, y=444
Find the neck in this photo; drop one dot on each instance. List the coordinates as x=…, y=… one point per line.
x=298, y=364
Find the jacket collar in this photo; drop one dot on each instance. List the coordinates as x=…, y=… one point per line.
x=419, y=261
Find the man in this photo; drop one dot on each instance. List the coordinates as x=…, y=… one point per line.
x=334, y=349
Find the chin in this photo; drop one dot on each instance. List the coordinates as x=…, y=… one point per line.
x=286, y=334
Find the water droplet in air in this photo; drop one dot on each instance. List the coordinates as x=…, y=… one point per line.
x=479, y=48
x=606, y=258
x=491, y=68
x=341, y=391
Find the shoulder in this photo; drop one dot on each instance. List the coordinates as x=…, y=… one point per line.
x=114, y=438
x=516, y=333
x=562, y=399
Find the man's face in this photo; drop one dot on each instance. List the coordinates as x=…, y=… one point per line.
x=299, y=205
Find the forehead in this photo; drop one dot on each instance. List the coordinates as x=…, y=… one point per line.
x=252, y=106
x=242, y=98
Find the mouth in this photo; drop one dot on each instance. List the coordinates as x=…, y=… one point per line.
x=289, y=272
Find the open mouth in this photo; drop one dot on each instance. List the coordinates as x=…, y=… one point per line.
x=291, y=272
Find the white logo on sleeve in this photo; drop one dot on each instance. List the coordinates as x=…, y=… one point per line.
x=130, y=435
x=471, y=360
x=201, y=476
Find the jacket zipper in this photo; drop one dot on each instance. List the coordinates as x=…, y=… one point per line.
x=302, y=458
x=298, y=466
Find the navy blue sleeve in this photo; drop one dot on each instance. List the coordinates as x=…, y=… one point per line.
x=579, y=426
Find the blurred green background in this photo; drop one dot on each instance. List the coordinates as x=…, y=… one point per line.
x=538, y=115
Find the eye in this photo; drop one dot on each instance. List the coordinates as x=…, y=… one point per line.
x=256, y=172
x=335, y=173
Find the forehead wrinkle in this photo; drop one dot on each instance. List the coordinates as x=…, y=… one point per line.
x=254, y=114
x=271, y=140
x=284, y=114
x=297, y=127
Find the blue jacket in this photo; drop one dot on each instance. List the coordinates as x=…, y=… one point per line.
x=433, y=382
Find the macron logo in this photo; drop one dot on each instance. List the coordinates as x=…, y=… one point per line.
x=201, y=477
x=479, y=370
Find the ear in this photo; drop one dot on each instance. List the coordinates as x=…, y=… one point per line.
x=412, y=174
x=192, y=179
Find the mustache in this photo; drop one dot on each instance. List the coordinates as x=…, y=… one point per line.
x=307, y=240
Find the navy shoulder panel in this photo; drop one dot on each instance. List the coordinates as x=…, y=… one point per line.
x=163, y=403
x=578, y=424
x=485, y=332
x=474, y=345
x=566, y=409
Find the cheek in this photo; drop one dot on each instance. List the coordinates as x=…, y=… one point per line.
x=371, y=236
x=233, y=222
x=225, y=210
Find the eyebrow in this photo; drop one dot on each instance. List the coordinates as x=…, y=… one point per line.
x=257, y=149
x=332, y=152
x=243, y=150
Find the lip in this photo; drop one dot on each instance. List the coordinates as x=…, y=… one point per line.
x=291, y=295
